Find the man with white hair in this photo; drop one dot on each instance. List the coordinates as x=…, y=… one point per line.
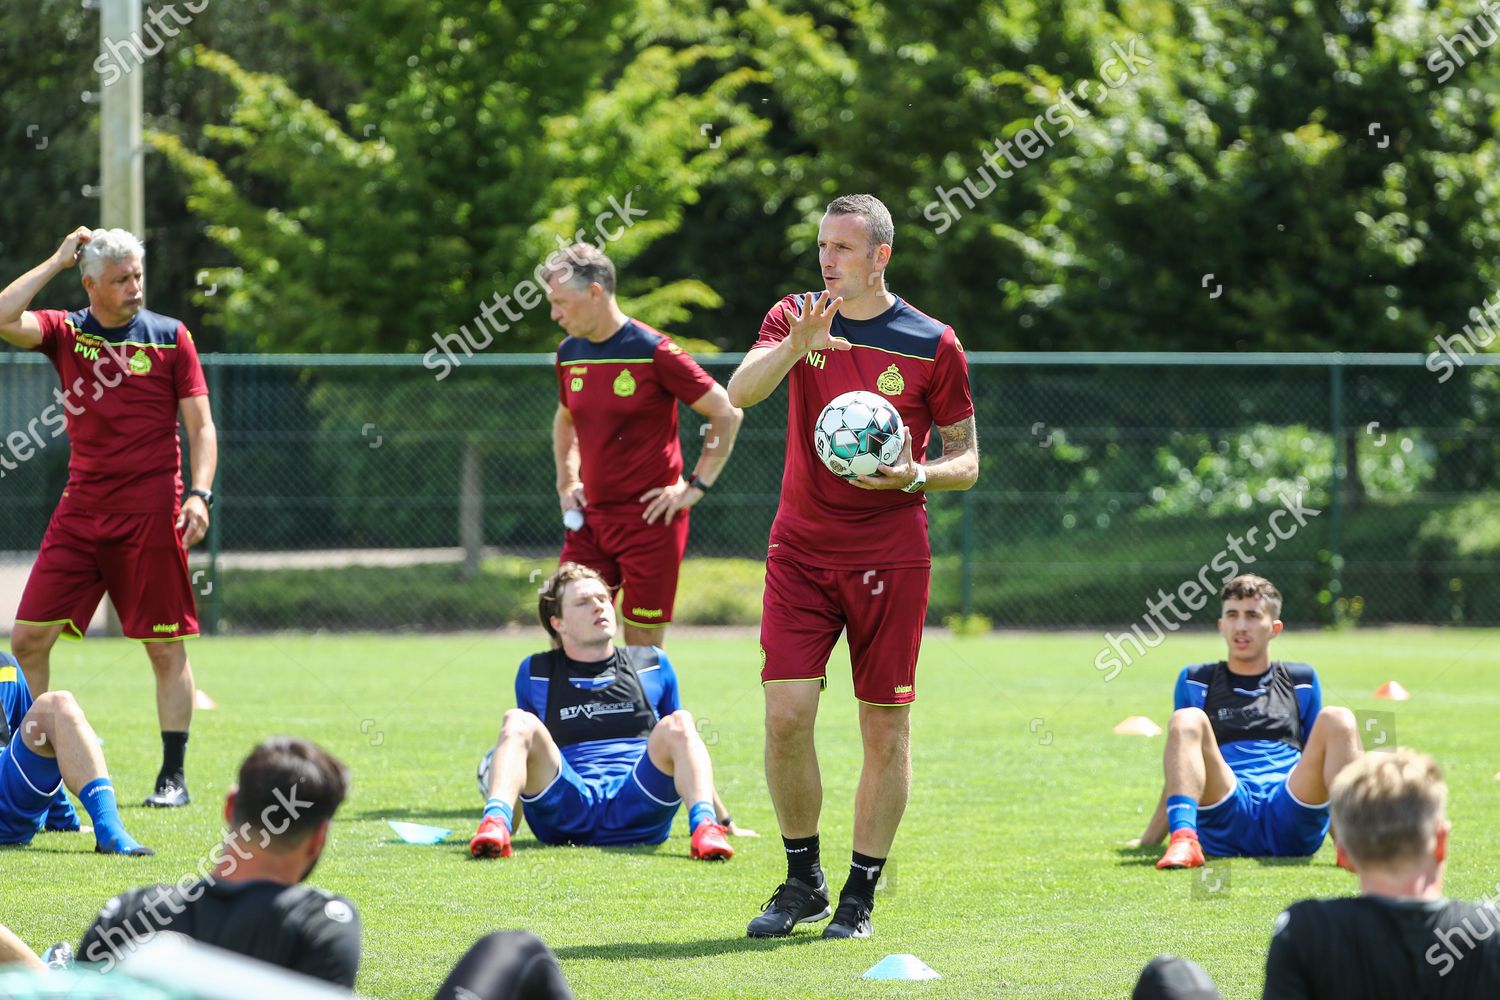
x=123, y=525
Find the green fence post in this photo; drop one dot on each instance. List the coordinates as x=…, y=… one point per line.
x=1336, y=488
x=216, y=386
x=966, y=557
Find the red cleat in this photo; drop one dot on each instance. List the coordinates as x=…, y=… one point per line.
x=492, y=840
x=1183, y=851
x=711, y=843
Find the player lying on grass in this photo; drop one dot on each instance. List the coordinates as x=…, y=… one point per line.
x=44, y=745
x=599, y=749
x=1400, y=938
x=1251, y=752
x=252, y=902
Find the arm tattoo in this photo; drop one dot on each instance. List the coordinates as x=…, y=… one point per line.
x=958, y=438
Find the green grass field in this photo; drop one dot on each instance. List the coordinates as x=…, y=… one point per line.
x=1008, y=876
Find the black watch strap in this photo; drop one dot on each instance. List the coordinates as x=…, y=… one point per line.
x=206, y=495
x=698, y=482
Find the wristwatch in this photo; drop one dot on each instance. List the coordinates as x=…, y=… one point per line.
x=918, y=484
x=206, y=495
x=697, y=481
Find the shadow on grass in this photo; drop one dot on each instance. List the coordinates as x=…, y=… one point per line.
x=635, y=950
x=1149, y=854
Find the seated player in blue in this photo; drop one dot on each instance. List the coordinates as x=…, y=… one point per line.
x=1251, y=751
x=599, y=749
x=42, y=746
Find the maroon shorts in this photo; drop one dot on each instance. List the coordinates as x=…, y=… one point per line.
x=137, y=558
x=883, y=609
x=644, y=558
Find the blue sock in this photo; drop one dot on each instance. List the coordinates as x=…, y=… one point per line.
x=698, y=814
x=502, y=810
x=1182, y=813
x=98, y=797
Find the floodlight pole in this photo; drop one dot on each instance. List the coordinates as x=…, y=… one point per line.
x=122, y=172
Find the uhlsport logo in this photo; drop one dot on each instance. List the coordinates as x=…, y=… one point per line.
x=625, y=383
x=646, y=612
x=166, y=628
x=890, y=382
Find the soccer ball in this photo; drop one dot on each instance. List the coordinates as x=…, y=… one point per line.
x=857, y=432
x=482, y=775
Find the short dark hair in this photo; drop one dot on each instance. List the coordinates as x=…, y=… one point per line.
x=311, y=783
x=1248, y=585
x=870, y=208
x=550, y=596
x=581, y=265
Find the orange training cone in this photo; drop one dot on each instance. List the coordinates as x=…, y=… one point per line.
x=1394, y=691
x=202, y=700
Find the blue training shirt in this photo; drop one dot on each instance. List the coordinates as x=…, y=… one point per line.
x=603, y=761
x=1257, y=759
x=15, y=697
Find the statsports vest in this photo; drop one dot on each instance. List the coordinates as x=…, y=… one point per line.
x=616, y=711
x=1271, y=714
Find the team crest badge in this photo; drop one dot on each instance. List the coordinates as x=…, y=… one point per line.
x=140, y=362
x=625, y=383
x=890, y=382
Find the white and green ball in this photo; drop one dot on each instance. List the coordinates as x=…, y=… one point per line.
x=857, y=432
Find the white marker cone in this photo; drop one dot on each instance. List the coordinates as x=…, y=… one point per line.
x=901, y=967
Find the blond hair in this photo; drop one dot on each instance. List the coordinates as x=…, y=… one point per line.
x=1388, y=807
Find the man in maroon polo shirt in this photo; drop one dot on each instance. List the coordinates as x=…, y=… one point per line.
x=123, y=525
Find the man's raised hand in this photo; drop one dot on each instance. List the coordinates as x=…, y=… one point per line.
x=67, y=254
x=809, y=329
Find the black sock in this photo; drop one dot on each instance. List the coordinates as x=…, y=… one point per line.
x=173, y=749
x=864, y=872
x=802, y=858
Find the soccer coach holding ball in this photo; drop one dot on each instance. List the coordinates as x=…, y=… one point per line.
x=850, y=555
x=127, y=374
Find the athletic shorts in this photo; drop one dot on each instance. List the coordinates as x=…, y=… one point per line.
x=137, y=558
x=883, y=610
x=28, y=783
x=634, y=808
x=1261, y=818
x=645, y=558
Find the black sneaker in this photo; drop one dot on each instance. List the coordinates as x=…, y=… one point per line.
x=851, y=920
x=170, y=793
x=794, y=902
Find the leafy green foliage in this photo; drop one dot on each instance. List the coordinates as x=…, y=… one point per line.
x=478, y=140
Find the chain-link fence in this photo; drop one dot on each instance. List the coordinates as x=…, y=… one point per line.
x=360, y=492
